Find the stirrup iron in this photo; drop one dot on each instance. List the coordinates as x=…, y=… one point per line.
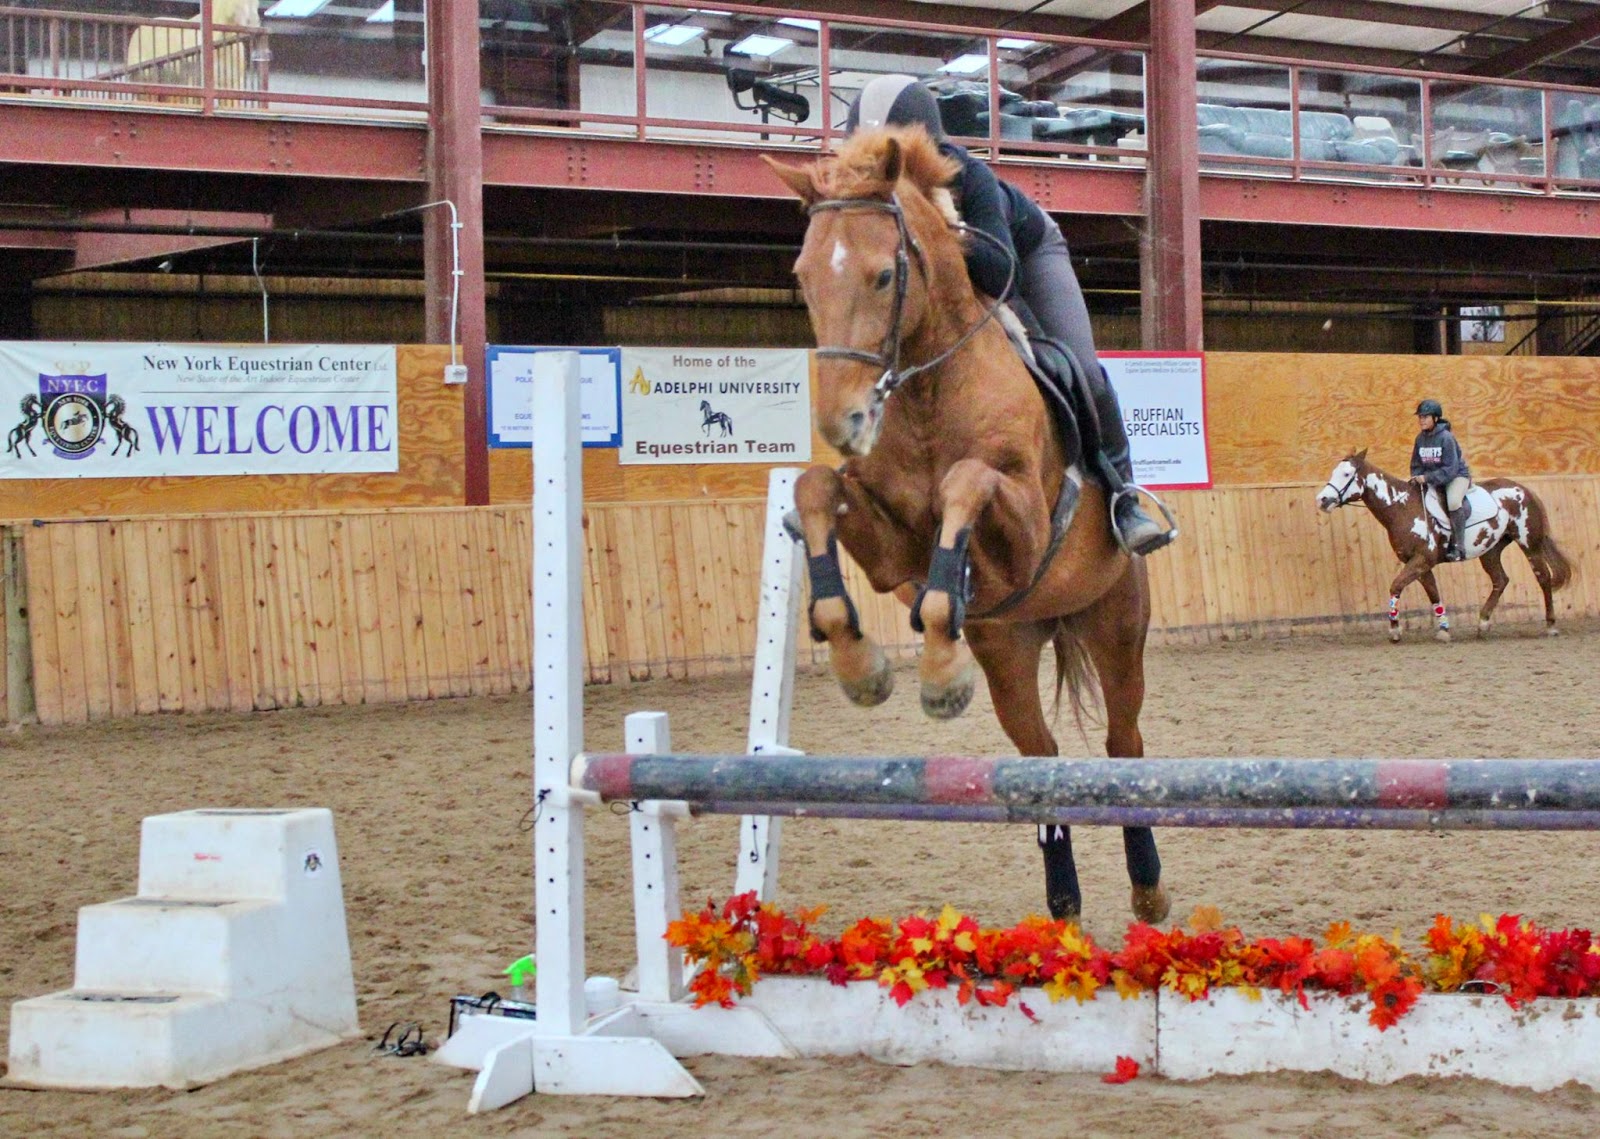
x=1133, y=490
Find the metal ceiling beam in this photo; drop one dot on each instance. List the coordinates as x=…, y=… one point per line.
x=1519, y=59
x=1403, y=15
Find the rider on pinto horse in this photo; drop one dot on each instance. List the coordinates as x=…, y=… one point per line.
x=1045, y=282
x=1437, y=462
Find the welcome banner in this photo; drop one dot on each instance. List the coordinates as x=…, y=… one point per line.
x=101, y=410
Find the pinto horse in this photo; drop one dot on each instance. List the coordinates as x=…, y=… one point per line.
x=956, y=484
x=1502, y=512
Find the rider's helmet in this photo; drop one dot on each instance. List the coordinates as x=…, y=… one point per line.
x=895, y=101
x=1430, y=407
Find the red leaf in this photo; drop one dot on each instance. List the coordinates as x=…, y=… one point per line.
x=1127, y=1069
x=1026, y=1011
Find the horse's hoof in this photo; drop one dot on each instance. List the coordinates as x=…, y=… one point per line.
x=1442, y=636
x=947, y=701
x=1483, y=629
x=1394, y=636
x=1151, y=904
x=875, y=685
x=1552, y=631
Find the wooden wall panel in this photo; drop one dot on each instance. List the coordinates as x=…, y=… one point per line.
x=430, y=471
x=265, y=611
x=1288, y=419
x=1275, y=418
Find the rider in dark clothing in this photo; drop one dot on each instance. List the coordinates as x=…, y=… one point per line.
x=1045, y=281
x=1437, y=462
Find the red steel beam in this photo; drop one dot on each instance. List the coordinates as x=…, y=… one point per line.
x=1505, y=64
x=455, y=174
x=55, y=135
x=1169, y=261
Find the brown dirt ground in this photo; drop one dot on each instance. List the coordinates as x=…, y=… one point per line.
x=429, y=801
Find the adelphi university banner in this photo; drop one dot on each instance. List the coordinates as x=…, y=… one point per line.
x=715, y=405
x=102, y=410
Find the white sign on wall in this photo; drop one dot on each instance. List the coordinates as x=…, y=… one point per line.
x=1163, y=398
x=511, y=395
x=85, y=409
x=716, y=405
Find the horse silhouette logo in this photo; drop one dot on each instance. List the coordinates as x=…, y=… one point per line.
x=710, y=419
x=115, y=406
x=22, y=434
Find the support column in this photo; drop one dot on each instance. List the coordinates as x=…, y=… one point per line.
x=1169, y=257
x=455, y=174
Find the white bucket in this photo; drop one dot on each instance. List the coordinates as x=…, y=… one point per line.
x=601, y=995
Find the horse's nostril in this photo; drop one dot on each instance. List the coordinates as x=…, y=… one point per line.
x=858, y=420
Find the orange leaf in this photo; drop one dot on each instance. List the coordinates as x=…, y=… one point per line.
x=1127, y=1069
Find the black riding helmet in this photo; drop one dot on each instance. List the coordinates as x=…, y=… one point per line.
x=1430, y=407
x=895, y=101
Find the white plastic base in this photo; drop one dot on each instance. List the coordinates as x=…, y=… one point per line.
x=1541, y=1046
x=233, y=955
x=613, y=1057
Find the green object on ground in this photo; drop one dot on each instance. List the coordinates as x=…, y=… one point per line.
x=522, y=970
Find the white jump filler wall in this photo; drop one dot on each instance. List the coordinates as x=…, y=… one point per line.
x=232, y=955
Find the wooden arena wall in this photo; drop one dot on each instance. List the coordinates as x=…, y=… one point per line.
x=160, y=609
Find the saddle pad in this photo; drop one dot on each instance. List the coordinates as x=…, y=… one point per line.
x=1483, y=506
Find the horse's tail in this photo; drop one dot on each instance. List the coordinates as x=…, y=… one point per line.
x=1075, y=673
x=1547, y=552
x=1555, y=563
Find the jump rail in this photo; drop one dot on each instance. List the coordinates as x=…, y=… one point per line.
x=1419, y=794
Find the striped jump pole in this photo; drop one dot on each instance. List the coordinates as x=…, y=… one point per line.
x=1378, y=794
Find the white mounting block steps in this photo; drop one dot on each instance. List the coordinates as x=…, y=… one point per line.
x=232, y=955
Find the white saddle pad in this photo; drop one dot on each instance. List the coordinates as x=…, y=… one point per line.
x=1483, y=504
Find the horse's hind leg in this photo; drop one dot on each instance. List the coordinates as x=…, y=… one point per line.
x=1009, y=657
x=826, y=507
x=1113, y=632
x=1498, y=579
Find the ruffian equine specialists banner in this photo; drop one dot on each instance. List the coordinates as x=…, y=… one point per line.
x=716, y=405
x=1163, y=398
x=103, y=410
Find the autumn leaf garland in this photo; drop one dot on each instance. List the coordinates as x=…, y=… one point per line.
x=742, y=940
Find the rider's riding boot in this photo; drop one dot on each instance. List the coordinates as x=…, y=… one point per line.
x=1139, y=532
x=1457, y=551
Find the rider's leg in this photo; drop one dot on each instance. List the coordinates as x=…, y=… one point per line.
x=1047, y=282
x=1455, y=504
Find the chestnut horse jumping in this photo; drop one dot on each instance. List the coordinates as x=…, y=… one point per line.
x=1502, y=512
x=952, y=489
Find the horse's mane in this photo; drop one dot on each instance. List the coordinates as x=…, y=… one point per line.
x=857, y=170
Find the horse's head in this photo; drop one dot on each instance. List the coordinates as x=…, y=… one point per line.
x=877, y=247
x=1346, y=484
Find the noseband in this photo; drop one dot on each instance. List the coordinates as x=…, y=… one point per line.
x=887, y=356
x=1338, y=492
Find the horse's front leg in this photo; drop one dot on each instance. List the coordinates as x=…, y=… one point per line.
x=971, y=489
x=827, y=503
x=1410, y=572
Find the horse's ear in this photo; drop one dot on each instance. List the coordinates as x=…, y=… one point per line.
x=893, y=161
x=1361, y=455
x=798, y=178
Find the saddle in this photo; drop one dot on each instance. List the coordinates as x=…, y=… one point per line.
x=1059, y=377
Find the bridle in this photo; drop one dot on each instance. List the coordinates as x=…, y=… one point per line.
x=1338, y=492
x=887, y=356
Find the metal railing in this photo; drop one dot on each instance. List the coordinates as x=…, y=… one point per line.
x=656, y=71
